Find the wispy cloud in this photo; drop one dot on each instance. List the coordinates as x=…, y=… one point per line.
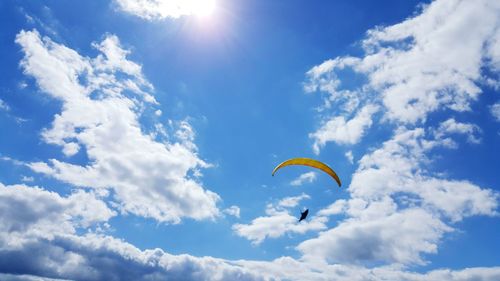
x=306, y=177
x=233, y=211
x=4, y=106
x=350, y=156
x=451, y=126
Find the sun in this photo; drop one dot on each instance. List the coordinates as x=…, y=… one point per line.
x=201, y=8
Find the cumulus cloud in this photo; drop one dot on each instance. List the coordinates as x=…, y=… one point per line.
x=34, y=212
x=100, y=257
x=398, y=167
x=430, y=71
x=278, y=222
x=286, y=268
x=398, y=208
x=102, y=99
x=399, y=237
x=343, y=131
x=41, y=231
x=420, y=65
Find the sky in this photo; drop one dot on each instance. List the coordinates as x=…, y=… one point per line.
x=138, y=139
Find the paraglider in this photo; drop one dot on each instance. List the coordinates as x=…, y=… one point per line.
x=303, y=215
x=311, y=163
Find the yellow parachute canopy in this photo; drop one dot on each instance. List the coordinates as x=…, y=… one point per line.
x=311, y=163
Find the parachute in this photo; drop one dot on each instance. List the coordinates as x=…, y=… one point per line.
x=311, y=163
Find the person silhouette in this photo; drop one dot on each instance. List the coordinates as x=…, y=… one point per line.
x=303, y=215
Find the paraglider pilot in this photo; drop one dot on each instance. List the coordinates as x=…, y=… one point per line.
x=303, y=215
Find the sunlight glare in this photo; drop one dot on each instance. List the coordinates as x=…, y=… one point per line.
x=202, y=8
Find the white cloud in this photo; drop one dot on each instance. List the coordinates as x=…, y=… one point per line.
x=22, y=85
x=324, y=78
x=399, y=237
x=12, y=160
x=4, y=106
x=350, y=156
x=306, y=177
x=93, y=257
x=278, y=222
x=433, y=70
x=233, y=211
x=341, y=131
x=451, y=126
x=34, y=212
x=293, y=201
x=101, y=115
x=495, y=111
x=26, y=277
x=39, y=228
x=398, y=210
x=161, y=9
x=337, y=207
x=286, y=268
x=27, y=179
x=399, y=166
x=421, y=65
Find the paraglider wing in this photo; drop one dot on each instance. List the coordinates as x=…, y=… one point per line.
x=311, y=163
x=303, y=215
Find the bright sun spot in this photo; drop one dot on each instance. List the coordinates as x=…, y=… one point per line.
x=201, y=8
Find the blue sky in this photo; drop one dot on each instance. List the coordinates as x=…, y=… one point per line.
x=138, y=140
